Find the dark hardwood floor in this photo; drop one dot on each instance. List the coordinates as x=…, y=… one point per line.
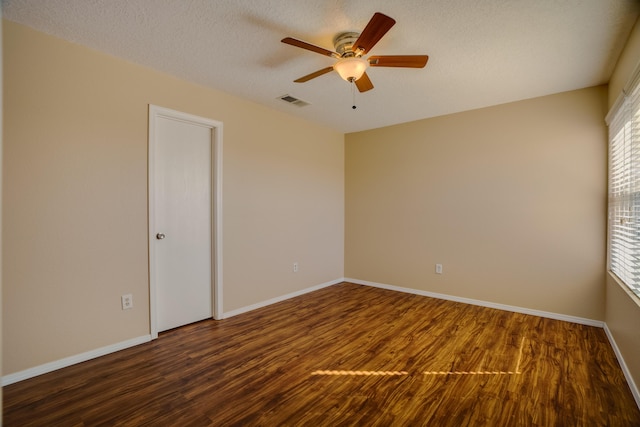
x=347, y=355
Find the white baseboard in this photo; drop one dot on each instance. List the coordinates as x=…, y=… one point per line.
x=623, y=365
x=279, y=299
x=72, y=360
x=515, y=309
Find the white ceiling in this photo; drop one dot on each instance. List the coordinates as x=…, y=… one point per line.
x=482, y=52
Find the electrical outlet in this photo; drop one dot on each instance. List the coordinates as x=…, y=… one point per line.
x=127, y=301
x=295, y=267
x=438, y=268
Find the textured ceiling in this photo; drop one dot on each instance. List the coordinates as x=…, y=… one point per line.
x=482, y=53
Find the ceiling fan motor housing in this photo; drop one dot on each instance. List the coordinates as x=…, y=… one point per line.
x=344, y=42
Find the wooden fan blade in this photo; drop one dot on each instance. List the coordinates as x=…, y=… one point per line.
x=408, y=61
x=313, y=75
x=309, y=46
x=363, y=83
x=373, y=32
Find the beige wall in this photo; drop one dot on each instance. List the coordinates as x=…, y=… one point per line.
x=627, y=62
x=75, y=197
x=623, y=308
x=510, y=199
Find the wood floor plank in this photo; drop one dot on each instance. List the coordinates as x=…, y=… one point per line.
x=347, y=355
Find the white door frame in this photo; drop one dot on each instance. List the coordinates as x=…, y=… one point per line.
x=156, y=112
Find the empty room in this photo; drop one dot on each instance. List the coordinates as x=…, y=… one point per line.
x=320, y=213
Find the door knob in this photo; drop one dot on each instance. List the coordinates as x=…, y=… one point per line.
x=160, y=236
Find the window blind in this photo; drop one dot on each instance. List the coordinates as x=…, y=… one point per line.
x=624, y=188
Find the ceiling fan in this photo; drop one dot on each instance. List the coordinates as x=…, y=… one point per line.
x=350, y=47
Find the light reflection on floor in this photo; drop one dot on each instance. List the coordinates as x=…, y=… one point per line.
x=401, y=373
x=516, y=371
x=357, y=373
x=473, y=373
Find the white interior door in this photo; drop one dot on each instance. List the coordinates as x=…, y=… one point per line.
x=183, y=222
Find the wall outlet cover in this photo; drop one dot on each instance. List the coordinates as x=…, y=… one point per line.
x=127, y=301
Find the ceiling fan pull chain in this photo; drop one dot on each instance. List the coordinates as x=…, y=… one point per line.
x=353, y=93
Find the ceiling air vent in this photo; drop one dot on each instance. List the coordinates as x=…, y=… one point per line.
x=292, y=100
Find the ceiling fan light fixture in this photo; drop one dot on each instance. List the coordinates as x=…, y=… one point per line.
x=351, y=69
